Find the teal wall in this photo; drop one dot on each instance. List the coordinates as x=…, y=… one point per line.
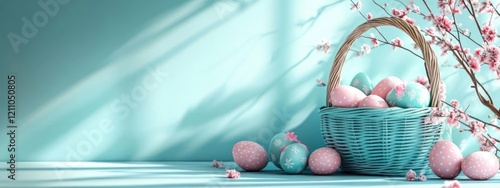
x=183, y=80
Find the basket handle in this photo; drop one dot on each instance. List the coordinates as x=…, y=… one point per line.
x=431, y=64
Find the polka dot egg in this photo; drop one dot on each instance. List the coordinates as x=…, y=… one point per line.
x=249, y=156
x=324, y=161
x=445, y=159
x=480, y=165
x=386, y=85
x=373, y=101
x=346, y=96
x=294, y=158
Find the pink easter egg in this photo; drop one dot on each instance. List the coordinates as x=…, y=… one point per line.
x=324, y=161
x=372, y=101
x=480, y=165
x=445, y=159
x=346, y=96
x=385, y=86
x=249, y=156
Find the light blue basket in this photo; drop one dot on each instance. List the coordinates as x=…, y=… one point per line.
x=387, y=141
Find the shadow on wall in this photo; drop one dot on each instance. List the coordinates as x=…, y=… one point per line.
x=119, y=67
x=218, y=104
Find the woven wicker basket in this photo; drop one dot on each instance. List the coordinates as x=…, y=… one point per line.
x=386, y=141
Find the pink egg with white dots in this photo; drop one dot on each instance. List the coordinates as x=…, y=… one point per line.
x=385, y=86
x=324, y=161
x=480, y=165
x=346, y=96
x=445, y=159
x=373, y=101
x=249, y=156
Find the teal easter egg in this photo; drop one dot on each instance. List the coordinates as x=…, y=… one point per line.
x=278, y=143
x=363, y=83
x=294, y=158
x=414, y=95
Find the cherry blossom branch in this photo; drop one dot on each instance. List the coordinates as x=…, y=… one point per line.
x=470, y=116
x=404, y=48
x=475, y=18
x=359, y=11
x=495, y=8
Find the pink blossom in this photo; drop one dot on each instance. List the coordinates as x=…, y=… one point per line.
x=365, y=49
x=452, y=119
x=415, y=8
x=356, y=6
x=290, y=136
x=415, y=46
x=409, y=20
x=445, y=47
x=479, y=53
x=477, y=128
x=454, y=103
x=442, y=22
x=233, y=174
x=422, y=177
x=442, y=91
x=430, y=31
x=400, y=89
x=411, y=175
x=456, y=10
x=427, y=120
x=486, y=7
x=215, y=164
x=487, y=144
x=445, y=5
x=492, y=57
x=465, y=31
x=326, y=46
x=451, y=184
x=464, y=116
x=374, y=40
x=399, y=13
x=369, y=16
x=218, y=164
x=422, y=80
x=489, y=33
x=473, y=63
x=396, y=43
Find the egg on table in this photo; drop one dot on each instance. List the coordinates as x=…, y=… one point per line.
x=250, y=156
x=324, y=161
x=278, y=142
x=294, y=158
x=386, y=85
x=480, y=165
x=445, y=159
x=346, y=96
x=363, y=83
x=411, y=95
